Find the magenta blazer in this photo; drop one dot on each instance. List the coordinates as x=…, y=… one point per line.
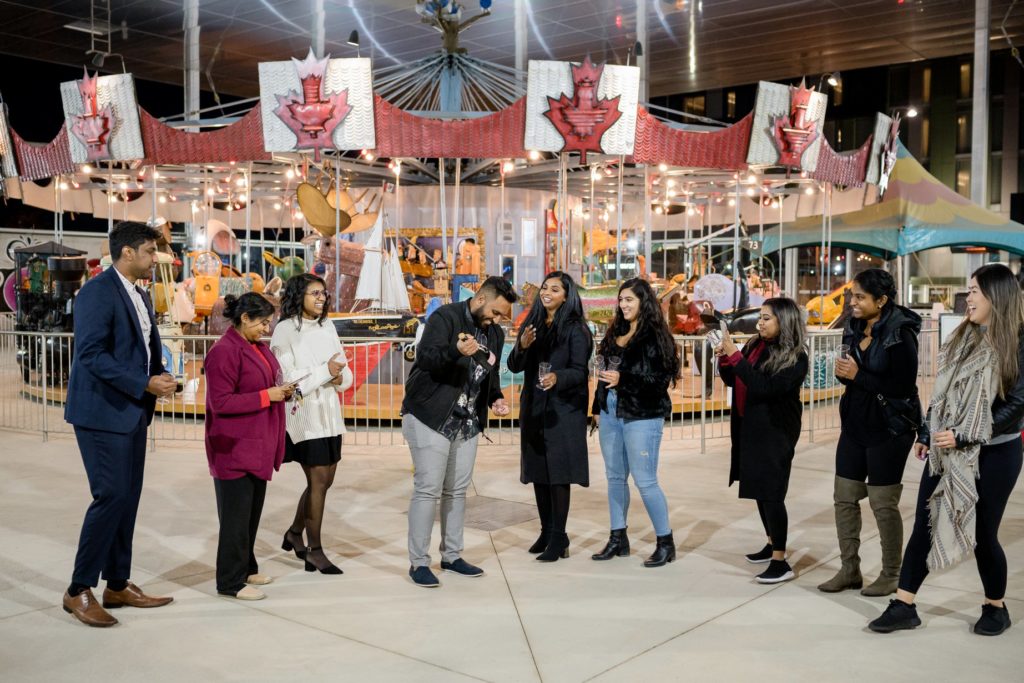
x=244, y=430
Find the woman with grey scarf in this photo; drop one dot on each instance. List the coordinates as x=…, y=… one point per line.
x=974, y=452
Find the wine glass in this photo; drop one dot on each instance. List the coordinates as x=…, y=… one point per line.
x=542, y=370
x=613, y=363
x=843, y=351
x=598, y=364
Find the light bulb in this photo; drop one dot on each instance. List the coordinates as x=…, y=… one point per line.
x=533, y=155
x=289, y=174
x=86, y=168
x=662, y=167
x=508, y=166
x=162, y=199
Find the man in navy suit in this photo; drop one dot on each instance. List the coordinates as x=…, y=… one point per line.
x=116, y=376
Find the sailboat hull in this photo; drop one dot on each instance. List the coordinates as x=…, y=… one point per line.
x=376, y=326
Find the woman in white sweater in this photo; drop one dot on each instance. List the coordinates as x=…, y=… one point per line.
x=307, y=347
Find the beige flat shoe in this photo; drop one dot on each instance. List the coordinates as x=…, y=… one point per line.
x=250, y=593
x=259, y=580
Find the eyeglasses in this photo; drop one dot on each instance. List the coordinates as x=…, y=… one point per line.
x=318, y=294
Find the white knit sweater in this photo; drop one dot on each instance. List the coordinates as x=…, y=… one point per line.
x=304, y=349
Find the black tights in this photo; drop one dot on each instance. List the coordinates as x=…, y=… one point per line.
x=309, y=514
x=998, y=469
x=552, y=506
x=775, y=521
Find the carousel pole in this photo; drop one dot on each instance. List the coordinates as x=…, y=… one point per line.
x=457, y=209
x=647, y=220
x=336, y=237
x=246, y=261
x=782, y=256
x=590, y=242
x=443, y=207
x=618, y=229
x=110, y=197
x=736, y=273
x=823, y=264
x=828, y=288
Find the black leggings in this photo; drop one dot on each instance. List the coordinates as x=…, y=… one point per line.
x=879, y=464
x=776, y=522
x=998, y=467
x=552, y=506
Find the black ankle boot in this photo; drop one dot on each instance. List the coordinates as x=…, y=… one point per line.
x=558, y=547
x=542, y=541
x=663, y=553
x=617, y=546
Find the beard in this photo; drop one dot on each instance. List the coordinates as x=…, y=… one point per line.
x=478, y=318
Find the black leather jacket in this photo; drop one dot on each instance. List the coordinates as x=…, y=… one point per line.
x=1007, y=412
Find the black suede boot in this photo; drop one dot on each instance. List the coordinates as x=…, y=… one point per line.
x=558, y=547
x=617, y=546
x=542, y=541
x=664, y=552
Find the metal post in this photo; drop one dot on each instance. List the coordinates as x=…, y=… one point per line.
x=641, y=37
x=520, y=38
x=979, y=112
x=810, y=417
x=736, y=274
x=647, y=220
x=191, y=61
x=43, y=381
x=317, y=29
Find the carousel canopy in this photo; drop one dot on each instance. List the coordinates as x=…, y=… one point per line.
x=917, y=212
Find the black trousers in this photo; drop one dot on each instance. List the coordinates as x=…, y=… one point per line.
x=239, y=506
x=878, y=460
x=999, y=466
x=114, y=464
x=776, y=522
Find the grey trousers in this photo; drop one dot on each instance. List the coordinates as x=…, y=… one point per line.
x=443, y=470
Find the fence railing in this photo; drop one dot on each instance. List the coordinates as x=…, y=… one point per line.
x=34, y=370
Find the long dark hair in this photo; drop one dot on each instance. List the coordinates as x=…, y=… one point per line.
x=251, y=304
x=295, y=295
x=651, y=326
x=568, y=314
x=1000, y=287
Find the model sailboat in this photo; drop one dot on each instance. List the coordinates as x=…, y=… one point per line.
x=382, y=300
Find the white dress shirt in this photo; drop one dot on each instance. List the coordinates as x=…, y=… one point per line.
x=141, y=310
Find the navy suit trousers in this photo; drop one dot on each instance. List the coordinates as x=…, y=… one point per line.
x=114, y=464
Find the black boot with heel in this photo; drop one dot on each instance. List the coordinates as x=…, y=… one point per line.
x=617, y=546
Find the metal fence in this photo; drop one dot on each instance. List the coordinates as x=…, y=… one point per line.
x=34, y=369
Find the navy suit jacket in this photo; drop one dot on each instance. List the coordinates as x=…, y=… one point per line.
x=109, y=372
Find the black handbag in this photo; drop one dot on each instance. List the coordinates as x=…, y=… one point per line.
x=903, y=415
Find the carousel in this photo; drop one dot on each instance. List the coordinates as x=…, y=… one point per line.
x=404, y=186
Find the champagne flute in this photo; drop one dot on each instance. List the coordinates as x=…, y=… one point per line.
x=543, y=369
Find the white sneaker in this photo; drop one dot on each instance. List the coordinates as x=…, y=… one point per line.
x=250, y=593
x=259, y=579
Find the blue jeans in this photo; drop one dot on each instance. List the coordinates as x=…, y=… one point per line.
x=632, y=447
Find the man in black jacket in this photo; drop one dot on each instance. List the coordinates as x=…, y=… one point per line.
x=454, y=380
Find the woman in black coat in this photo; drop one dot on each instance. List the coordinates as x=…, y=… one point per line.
x=553, y=406
x=766, y=377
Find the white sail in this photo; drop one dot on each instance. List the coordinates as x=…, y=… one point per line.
x=395, y=296
x=369, y=286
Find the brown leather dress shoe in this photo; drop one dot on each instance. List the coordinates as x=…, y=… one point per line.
x=131, y=596
x=85, y=608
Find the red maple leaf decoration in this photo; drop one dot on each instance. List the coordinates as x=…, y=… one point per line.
x=94, y=125
x=314, y=115
x=582, y=120
x=794, y=132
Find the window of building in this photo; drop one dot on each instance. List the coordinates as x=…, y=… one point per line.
x=963, y=133
x=995, y=127
x=925, y=134
x=963, y=177
x=730, y=104
x=926, y=84
x=995, y=180
x=965, y=80
x=694, y=105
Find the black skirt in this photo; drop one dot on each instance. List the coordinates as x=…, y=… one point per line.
x=323, y=451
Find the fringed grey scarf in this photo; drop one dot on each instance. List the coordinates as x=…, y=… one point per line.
x=962, y=401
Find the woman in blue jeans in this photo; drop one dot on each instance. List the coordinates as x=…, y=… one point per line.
x=630, y=405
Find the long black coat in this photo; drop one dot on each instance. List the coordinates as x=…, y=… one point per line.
x=764, y=439
x=553, y=423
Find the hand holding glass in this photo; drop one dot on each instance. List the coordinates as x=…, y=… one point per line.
x=543, y=369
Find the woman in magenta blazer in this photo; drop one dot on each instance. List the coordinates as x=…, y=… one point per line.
x=244, y=437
